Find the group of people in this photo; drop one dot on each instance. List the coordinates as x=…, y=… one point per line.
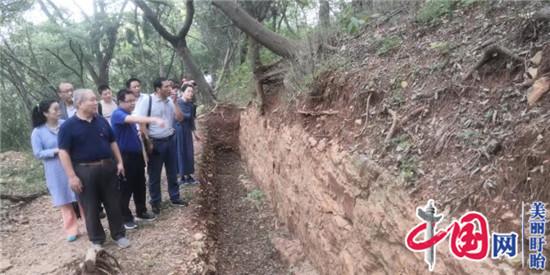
x=95, y=153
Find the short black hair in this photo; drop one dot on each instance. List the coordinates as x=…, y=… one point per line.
x=121, y=94
x=102, y=88
x=158, y=82
x=129, y=81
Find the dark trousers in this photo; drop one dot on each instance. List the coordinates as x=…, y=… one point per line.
x=100, y=186
x=133, y=185
x=164, y=153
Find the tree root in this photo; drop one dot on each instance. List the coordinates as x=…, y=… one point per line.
x=23, y=198
x=398, y=123
x=99, y=262
x=493, y=51
x=395, y=120
x=366, y=117
x=320, y=113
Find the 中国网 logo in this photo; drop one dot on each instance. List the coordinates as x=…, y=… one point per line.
x=470, y=238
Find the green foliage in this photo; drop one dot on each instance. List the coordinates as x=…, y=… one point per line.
x=387, y=44
x=267, y=56
x=21, y=173
x=469, y=136
x=12, y=9
x=236, y=86
x=396, y=98
x=15, y=124
x=434, y=10
x=442, y=47
x=402, y=143
x=303, y=81
x=355, y=25
x=407, y=168
x=350, y=22
x=467, y=3
x=256, y=196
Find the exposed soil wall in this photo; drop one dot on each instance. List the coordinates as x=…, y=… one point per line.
x=349, y=213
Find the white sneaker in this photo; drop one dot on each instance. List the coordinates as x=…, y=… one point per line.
x=123, y=242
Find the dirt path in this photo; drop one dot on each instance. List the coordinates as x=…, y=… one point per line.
x=245, y=223
x=33, y=243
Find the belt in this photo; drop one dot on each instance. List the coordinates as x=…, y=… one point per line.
x=96, y=163
x=164, y=139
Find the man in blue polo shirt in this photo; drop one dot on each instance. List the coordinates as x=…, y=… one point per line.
x=126, y=134
x=86, y=150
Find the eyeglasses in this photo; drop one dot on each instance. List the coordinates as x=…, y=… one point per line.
x=129, y=101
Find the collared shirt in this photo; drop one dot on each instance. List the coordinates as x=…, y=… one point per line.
x=107, y=109
x=126, y=134
x=160, y=108
x=66, y=112
x=86, y=141
x=71, y=110
x=139, y=100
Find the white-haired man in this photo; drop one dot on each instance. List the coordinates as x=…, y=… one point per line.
x=87, y=147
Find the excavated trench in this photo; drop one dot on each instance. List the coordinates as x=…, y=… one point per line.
x=241, y=224
x=345, y=213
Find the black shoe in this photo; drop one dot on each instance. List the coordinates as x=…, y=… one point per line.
x=179, y=202
x=130, y=225
x=156, y=209
x=147, y=217
x=191, y=181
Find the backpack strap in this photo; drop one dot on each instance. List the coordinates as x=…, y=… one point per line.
x=149, y=108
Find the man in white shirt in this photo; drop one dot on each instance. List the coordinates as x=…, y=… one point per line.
x=65, y=93
x=160, y=105
x=107, y=103
x=134, y=85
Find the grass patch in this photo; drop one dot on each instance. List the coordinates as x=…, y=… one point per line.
x=434, y=10
x=407, y=169
x=256, y=196
x=387, y=44
x=402, y=143
x=21, y=174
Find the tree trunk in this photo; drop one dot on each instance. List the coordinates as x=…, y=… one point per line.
x=205, y=94
x=254, y=54
x=269, y=39
x=324, y=14
x=255, y=63
x=243, y=50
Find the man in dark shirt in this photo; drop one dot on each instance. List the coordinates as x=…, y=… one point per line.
x=86, y=150
x=126, y=134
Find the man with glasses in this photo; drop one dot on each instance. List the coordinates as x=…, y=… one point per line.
x=126, y=134
x=163, y=153
x=65, y=93
x=134, y=85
